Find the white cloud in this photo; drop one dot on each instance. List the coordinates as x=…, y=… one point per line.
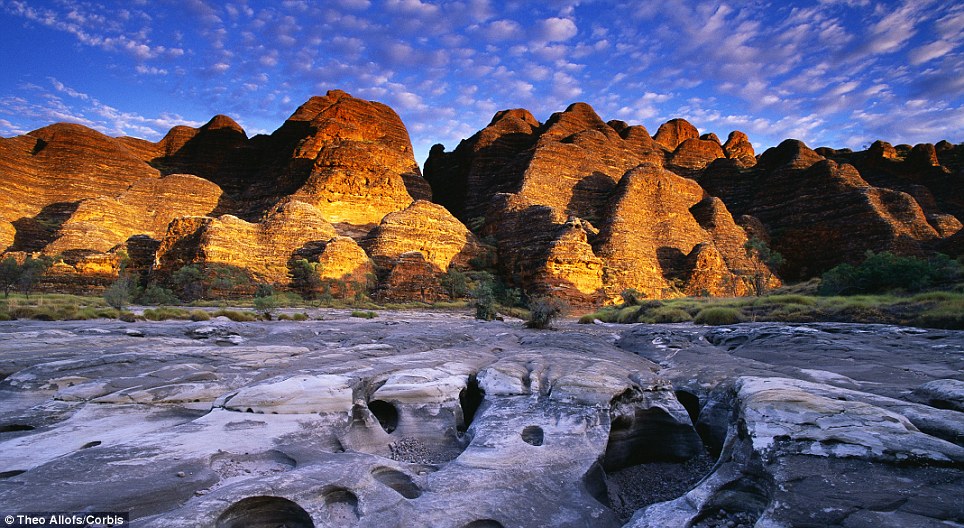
x=930, y=51
x=555, y=30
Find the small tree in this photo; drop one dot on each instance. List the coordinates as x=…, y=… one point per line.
x=119, y=294
x=544, y=310
x=771, y=259
x=305, y=277
x=267, y=304
x=484, y=300
x=455, y=283
x=31, y=271
x=9, y=274
x=188, y=282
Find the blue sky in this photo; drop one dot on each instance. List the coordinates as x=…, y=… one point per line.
x=838, y=73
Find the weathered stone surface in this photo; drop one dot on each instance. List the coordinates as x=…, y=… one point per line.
x=262, y=248
x=738, y=147
x=440, y=420
x=427, y=228
x=674, y=132
x=146, y=208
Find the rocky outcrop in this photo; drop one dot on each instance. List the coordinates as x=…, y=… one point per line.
x=236, y=201
x=412, y=278
x=349, y=158
x=674, y=132
x=655, y=241
x=552, y=183
x=427, y=228
x=262, y=249
x=819, y=212
x=738, y=147
x=146, y=208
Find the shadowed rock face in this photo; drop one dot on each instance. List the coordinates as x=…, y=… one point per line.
x=439, y=420
x=820, y=212
x=521, y=182
x=529, y=185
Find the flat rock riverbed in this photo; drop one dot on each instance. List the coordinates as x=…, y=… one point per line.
x=436, y=419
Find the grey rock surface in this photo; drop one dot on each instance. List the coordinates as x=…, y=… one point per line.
x=430, y=419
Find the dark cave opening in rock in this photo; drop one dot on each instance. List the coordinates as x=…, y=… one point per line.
x=652, y=456
x=12, y=428
x=691, y=403
x=484, y=523
x=385, y=413
x=265, y=512
x=13, y=473
x=533, y=435
x=470, y=398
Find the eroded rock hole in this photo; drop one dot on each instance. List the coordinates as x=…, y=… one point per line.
x=533, y=435
x=470, y=398
x=385, y=413
x=691, y=403
x=652, y=456
x=11, y=428
x=265, y=512
x=13, y=473
x=484, y=523
x=342, y=506
x=398, y=481
x=89, y=445
x=738, y=504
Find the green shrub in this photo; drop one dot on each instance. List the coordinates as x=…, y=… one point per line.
x=949, y=317
x=121, y=292
x=200, y=315
x=543, y=311
x=587, y=319
x=127, y=317
x=363, y=314
x=667, y=314
x=284, y=317
x=154, y=295
x=718, y=315
x=267, y=304
x=632, y=297
x=884, y=272
x=165, y=312
x=629, y=314
x=300, y=317
x=236, y=316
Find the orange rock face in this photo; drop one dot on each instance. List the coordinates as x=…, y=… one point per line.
x=427, y=228
x=146, y=208
x=412, y=278
x=263, y=248
x=663, y=239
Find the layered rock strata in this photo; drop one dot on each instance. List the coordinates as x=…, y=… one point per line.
x=819, y=212
x=557, y=199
